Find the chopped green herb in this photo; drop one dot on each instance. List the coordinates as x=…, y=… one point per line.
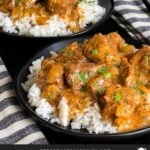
x=94, y=52
x=139, y=82
x=138, y=91
x=124, y=44
x=17, y=2
x=102, y=70
x=91, y=74
x=107, y=75
x=81, y=76
x=78, y=2
x=117, y=96
x=49, y=97
x=69, y=54
x=149, y=58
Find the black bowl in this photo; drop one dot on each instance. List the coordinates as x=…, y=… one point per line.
x=78, y=133
x=107, y=4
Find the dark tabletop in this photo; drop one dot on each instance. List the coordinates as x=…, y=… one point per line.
x=15, y=52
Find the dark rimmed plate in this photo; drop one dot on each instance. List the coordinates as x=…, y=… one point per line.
x=107, y=4
x=78, y=133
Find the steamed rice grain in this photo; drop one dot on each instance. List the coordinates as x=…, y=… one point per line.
x=55, y=26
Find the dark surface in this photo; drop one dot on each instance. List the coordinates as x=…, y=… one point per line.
x=107, y=4
x=15, y=52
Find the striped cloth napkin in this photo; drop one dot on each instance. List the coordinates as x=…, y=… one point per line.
x=16, y=127
x=134, y=17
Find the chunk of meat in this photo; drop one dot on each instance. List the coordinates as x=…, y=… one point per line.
x=7, y=5
x=106, y=76
x=77, y=101
x=140, y=68
x=41, y=79
x=50, y=73
x=67, y=9
x=119, y=44
x=55, y=74
x=124, y=106
x=51, y=93
x=114, y=96
x=77, y=74
x=139, y=118
x=71, y=53
x=100, y=49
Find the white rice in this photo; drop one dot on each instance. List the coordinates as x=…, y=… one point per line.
x=89, y=120
x=55, y=26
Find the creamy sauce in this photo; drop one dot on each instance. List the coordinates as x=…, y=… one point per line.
x=105, y=70
x=43, y=10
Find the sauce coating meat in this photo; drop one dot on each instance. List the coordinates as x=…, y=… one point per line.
x=43, y=10
x=103, y=69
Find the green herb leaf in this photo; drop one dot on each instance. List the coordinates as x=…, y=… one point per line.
x=102, y=70
x=49, y=97
x=94, y=52
x=81, y=76
x=107, y=75
x=139, y=82
x=149, y=58
x=69, y=54
x=124, y=44
x=117, y=96
x=138, y=91
x=17, y=2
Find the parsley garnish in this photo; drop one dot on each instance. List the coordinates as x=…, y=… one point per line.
x=149, y=58
x=107, y=75
x=124, y=44
x=94, y=52
x=69, y=54
x=117, y=96
x=17, y=2
x=103, y=70
x=81, y=76
x=48, y=97
x=138, y=91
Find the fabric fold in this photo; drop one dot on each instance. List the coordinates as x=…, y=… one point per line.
x=134, y=17
x=16, y=126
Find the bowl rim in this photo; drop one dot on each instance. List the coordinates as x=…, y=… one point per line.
x=58, y=128
x=98, y=23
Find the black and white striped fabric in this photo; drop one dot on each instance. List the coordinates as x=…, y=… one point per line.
x=16, y=127
x=134, y=17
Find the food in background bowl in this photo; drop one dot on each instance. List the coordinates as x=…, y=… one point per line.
x=101, y=85
x=48, y=17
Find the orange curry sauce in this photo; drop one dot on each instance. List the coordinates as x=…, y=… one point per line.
x=42, y=10
x=105, y=70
